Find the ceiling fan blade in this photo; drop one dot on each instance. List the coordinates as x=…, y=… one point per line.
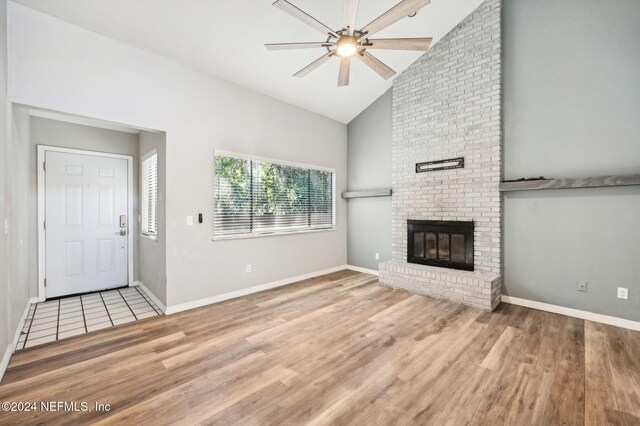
x=343, y=74
x=400, y=43
x=287, y=46
x=349, y=12
x=397, y=12
x=313, y=65
x=285, y=6
x=376, y=65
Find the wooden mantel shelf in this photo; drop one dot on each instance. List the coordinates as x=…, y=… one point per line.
x=587, y=182
x=367, y=194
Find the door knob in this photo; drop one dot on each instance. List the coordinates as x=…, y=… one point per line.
x=123, y=232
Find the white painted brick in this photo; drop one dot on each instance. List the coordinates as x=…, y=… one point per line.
x=445, y=105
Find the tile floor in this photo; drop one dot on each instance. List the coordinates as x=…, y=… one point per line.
x=58, y=319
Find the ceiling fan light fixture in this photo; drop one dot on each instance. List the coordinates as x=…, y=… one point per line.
x=347, y=46
x=347, y=42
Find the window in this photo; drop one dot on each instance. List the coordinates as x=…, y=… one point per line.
x=255, y=196
x=149, y=192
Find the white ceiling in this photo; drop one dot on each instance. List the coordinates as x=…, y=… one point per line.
x=225, y=39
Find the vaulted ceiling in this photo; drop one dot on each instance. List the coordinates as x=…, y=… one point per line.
x=226, y=39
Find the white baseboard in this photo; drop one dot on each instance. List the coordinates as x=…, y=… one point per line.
x=363, y=270
x=23, y=318
x=11, y=347
x=576, y=313
x=151, y=295
x=245, y=291
x=5, y=360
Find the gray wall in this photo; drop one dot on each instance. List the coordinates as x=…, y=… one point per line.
x=6, y=327
x=16, y=205
x=68, y=135
x=571, y=109
x=369, y=167
x=153, y=253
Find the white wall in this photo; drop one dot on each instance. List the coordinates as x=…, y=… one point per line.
x=58, y=66
x=153, y=252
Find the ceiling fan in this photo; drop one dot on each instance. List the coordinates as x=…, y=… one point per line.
x=347, y=43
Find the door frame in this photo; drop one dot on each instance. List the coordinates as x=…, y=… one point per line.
x=42, y=261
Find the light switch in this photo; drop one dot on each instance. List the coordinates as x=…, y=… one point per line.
x=189, y=220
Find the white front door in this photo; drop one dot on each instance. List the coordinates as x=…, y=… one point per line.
x=86, y=223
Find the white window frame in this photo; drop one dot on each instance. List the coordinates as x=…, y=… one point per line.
x=223, y=153
x=143, y=195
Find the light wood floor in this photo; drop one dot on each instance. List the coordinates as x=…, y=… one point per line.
x=338, y=349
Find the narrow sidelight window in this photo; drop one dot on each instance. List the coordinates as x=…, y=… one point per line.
x=149, y=195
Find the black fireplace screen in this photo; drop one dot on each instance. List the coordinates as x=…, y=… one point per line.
x=448, y=244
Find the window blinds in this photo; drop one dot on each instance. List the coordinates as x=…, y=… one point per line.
x=149, y=205
x=256, y=197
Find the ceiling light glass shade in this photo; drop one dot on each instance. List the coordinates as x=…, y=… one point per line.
x=347, y=46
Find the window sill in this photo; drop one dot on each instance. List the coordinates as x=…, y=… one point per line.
x=270, y=234
x=149, y=237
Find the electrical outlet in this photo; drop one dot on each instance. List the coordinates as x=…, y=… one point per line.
x=377, y=256
x=248, y=269
x=581, y=286
x=623, y=293
x=189, y=220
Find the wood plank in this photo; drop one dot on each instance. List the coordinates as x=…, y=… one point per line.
x=338, y=349
x=367, y=194
x=599, y=383
x=586, y=182
x=495, y=358
x=612, y=386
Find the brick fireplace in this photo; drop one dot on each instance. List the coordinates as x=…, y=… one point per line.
x=446, y=106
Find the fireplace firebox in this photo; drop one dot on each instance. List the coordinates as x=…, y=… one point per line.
x=447, y=244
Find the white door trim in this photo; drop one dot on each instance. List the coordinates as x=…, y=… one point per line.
x=42, y=150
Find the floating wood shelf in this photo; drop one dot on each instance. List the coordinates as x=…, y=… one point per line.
x=367, y=194
x=587, y=182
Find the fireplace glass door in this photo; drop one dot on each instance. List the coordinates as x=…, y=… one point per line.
x=445, y=244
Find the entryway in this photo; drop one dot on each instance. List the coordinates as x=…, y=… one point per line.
x=71, y=316
x=84, y=228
